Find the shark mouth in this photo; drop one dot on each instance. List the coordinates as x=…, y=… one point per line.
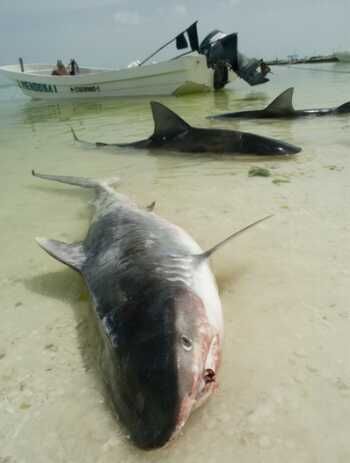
x=204, y=384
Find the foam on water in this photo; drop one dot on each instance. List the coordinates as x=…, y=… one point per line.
x=285, y=378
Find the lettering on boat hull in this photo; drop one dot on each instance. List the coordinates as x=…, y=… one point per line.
x=86, y=88
x=36, y=87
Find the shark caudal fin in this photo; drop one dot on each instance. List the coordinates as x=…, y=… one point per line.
x=283, y=104
x=166, y=123
x=79, y=181
x=209, y=252
x=96, y=144
x=344, y=108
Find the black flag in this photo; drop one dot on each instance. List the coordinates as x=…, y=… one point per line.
x=181, y=42
x=193, y=36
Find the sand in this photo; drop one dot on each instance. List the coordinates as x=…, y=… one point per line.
x=284, y=390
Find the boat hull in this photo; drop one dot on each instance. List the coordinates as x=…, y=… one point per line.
x=187, y=74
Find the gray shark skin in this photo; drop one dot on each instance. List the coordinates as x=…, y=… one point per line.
x=282, y=107
x=157, y=309
x=174, y=134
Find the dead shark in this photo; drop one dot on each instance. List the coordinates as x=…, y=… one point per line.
x=282, y=107
x=174, y=134
x=157, y=307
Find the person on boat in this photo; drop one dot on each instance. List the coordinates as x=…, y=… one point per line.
x=264, y=68
x=60, y=69
x=73, y=67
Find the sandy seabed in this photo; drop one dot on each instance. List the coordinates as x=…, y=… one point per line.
x=285, y=378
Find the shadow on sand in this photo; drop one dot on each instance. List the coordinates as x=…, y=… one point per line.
x=68, y=286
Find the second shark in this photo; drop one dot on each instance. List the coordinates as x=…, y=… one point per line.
x=282, y=107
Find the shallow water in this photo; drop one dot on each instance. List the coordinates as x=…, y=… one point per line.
x=285, y=379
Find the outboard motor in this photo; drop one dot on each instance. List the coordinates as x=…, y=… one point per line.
x=247, y=69
x=222, y=54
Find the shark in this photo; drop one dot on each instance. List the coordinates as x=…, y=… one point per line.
x=157, y=308
x=282, y=107
x=172, y=133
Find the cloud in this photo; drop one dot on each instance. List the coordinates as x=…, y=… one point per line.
x=129, y=18
x=181, y=9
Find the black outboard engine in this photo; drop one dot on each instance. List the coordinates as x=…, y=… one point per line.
x=222, y=54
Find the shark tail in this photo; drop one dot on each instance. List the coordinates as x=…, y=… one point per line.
x=80, y=181
x=87, y=143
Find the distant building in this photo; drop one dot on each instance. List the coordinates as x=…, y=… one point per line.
x=292, y=58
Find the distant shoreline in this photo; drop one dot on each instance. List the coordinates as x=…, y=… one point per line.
x=311, y=60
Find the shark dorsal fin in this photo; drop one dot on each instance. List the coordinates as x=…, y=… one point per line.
x=344, y=108
x=282, y=104
x=166, y=122
x=70, y=254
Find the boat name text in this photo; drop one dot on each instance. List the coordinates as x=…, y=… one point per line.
x=86, y=88
x=36, y=87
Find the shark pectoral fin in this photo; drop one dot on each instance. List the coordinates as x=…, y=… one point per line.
x=72, y=255
x=282, y=104
x=200, y=257
x=166, y=122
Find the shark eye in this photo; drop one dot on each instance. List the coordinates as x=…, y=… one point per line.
x=186, y=343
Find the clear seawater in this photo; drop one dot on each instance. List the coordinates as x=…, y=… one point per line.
x=284, y=390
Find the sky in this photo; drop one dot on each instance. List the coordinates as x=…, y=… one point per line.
x=114, y=33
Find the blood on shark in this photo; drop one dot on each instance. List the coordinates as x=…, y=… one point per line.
x=174, y=134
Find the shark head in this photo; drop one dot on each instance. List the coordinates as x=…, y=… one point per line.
x=256, y=144
x=198, y=352
x=162, y=364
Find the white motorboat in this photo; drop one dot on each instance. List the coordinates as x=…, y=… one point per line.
x=187, y=74
x=205, y=67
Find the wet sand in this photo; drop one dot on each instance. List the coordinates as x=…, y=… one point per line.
x=285, y=378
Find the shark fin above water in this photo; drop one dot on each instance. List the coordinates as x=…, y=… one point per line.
x=282, y=104
x=72, y=255
x=166, y=123
x=344, y=108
